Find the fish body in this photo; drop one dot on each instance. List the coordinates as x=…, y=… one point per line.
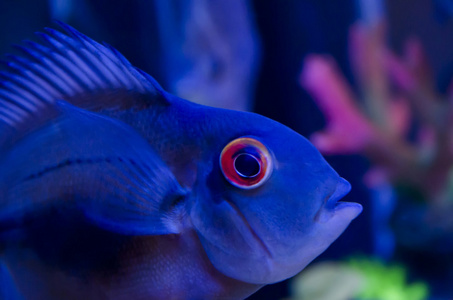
x=112, y=188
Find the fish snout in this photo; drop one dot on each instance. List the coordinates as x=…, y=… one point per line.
x=342, y=188
x=334, y=207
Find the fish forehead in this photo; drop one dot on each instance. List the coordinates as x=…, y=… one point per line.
x=213, y=128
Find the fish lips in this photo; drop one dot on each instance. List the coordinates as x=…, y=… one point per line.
x=334, y=208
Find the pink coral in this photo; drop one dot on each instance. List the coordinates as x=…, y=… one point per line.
x=393, y=91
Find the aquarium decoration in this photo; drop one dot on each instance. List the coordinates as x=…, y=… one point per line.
x=358, y=278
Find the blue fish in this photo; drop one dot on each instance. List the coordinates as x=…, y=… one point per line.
x=112, y=188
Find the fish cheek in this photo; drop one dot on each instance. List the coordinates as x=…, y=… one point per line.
x=281, y=206
x=282, y=212
x=283, y=220
x=224, y=233
x=252, y=235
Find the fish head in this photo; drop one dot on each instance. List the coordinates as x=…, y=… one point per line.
x=269, y=202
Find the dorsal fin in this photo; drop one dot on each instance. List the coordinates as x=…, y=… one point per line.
x=74, y=68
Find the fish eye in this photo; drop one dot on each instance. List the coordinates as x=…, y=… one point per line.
x=246, y=163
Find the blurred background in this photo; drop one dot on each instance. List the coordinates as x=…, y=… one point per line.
x=368, y=81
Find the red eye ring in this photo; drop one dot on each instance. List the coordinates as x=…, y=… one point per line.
x=246, y=163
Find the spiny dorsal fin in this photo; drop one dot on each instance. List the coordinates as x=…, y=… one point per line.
x=74, y=68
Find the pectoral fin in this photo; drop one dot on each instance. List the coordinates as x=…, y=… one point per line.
x=133, y=196
x=94, y=164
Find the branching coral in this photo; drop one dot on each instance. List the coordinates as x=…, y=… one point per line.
x=398, y=98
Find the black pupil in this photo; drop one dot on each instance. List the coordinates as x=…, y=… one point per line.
x=247, y=165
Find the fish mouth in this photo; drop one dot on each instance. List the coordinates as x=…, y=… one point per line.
x=333, y=201
x=333, y=204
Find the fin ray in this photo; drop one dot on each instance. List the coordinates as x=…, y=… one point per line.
x=70, y=67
